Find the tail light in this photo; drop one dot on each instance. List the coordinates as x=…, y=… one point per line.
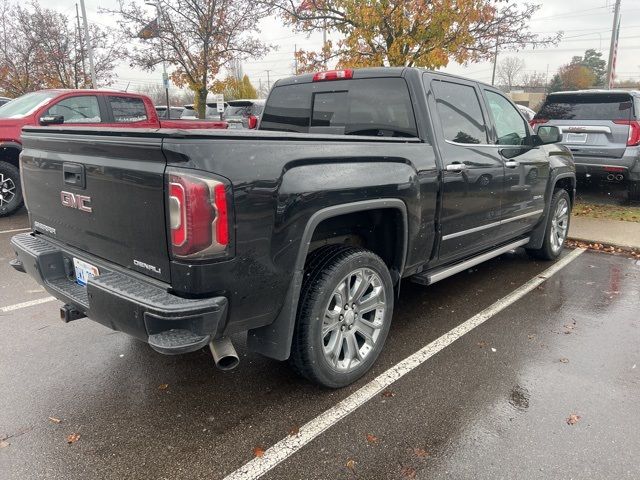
x=333, y=75
x=252, y=122
x=536, y=121
x=198, y=216
x=634, y=131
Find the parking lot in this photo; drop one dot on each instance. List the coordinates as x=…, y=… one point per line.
x=544, y=385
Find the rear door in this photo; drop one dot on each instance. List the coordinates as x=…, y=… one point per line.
x=100, y=193
x=593, y=124
x=473, y=172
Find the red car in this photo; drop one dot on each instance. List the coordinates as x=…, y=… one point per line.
x=95, y=108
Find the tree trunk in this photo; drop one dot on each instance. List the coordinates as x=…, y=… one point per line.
x=200, y=102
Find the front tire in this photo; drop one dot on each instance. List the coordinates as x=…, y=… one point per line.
x=10, y=189
x=557, y=227
x=344, y=315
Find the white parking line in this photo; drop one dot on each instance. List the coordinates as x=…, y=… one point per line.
x=15, y=230
x=30, y=303
x=288, y=446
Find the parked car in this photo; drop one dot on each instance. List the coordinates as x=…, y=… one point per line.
x=171, y=113
x=526, y=112
x=94, y=108
x=211, y=112
x=4, y=100
x=602, y=130
x=299, y=232
x=243, y=113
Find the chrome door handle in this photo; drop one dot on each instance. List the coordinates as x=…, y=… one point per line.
x=511, y=164
x=456, y=167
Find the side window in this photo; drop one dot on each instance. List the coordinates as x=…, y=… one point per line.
x=460, y=112
x=81, y=109
x=510, y=126
x=128, y=109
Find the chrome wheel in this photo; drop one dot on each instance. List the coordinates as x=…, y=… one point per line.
x=559, y=225
x=7, y=190
x=353, y=319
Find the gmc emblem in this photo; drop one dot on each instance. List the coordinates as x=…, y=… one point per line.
x=79, y=202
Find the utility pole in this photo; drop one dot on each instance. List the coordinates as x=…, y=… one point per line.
x=165, y=76
x=495, y=62
x=613, y=49
x=92, y=70
x=268, y=80
x=84, y=71
x=295, y=57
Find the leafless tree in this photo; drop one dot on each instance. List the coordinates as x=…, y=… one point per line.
x=509, y=70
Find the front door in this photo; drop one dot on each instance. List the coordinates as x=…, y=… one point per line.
x=473, y=172
x=526, y=166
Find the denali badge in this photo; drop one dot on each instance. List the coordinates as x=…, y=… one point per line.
x=152, y=268
x=44, y=228
x=79, y=202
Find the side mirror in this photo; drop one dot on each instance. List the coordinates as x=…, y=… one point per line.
x=252, y=122
x=549, y=134
x=51, y=120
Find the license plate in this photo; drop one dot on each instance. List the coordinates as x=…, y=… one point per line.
x=84, y=271
x=576, y=138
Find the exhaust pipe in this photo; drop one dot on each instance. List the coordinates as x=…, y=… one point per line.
x=611, y=177
x=224, y=355
x=619, y=177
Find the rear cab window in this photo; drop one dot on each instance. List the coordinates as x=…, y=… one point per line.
x=127, y=109
x=460, y=112
x=587, y=106
x=379, y=107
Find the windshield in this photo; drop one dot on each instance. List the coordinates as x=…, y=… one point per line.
x=26, y=105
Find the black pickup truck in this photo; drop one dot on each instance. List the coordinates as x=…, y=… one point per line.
x=298, y=233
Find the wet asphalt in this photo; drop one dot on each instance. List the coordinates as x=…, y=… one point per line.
x=494, y=404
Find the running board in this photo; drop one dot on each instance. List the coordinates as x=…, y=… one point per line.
x=427, y=278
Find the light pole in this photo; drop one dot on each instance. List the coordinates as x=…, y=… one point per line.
x=165, y=77
x=92, y=70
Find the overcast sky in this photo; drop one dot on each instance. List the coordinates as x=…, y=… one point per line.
x=586, y=24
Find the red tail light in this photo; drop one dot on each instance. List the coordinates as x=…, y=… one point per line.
x=634, y=131
x=536, y=121
x=252, y=122
x=198, y=216
x=333, y=75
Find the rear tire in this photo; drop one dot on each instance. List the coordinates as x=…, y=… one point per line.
x=10, y=189
x=634, y=191
x=344, y=315
x=557, y=228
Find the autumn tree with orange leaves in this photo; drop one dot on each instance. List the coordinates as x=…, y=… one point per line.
x=411, y=32
x=41, y=48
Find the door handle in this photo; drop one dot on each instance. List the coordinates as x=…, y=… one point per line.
x=456, y=167
x=511, y=164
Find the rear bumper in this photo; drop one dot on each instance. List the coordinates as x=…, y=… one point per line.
x=120, y=301
x=628, y=165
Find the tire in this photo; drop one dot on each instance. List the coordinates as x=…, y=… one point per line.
x=347, y=351
x=556, y=231
x=10, y=189
x=634, y=191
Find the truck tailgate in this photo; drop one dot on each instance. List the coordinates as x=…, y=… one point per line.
x=100, y=193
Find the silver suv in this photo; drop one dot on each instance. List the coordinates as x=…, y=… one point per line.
x=602, y=130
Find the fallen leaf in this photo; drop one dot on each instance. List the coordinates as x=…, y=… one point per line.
x=564, y=360
x=372, y=438
x=420, y=452
x=351, y=465
x=163, y=386
x=4, y=444
x=258, y=452
x=482, y=344
x=54, y=420
x=573, y=419
x=408, y=472
x=295, y=430
x=73, y=438
x=388, y=393
x=531, y=337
